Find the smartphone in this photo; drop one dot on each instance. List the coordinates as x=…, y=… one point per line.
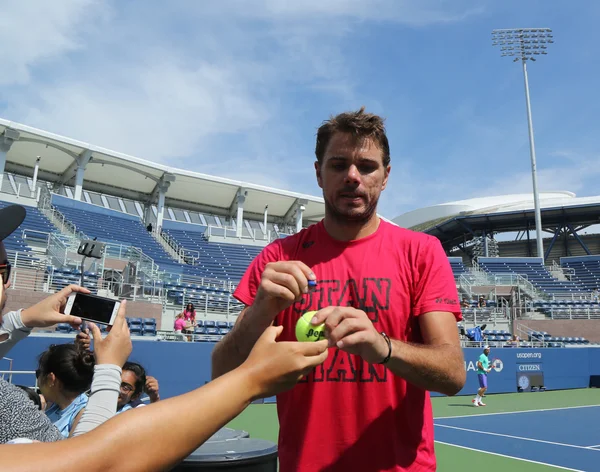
x=92, y=308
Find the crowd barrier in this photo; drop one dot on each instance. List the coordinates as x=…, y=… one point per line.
x=181, y=367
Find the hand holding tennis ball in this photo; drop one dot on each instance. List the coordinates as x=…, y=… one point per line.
x=306, y=332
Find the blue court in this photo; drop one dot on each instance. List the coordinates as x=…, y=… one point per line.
x=568, y=438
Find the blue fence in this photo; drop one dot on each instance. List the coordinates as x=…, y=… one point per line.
x=181, y=367
x=557, y=369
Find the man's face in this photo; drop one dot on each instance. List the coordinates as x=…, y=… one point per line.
x=128, y=380
x=352, y=177
x=486, y=352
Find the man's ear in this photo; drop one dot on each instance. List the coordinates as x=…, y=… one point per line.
x=318, y=172
x=388, y=169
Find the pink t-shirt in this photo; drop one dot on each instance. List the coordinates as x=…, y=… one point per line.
x=348, y=415
x=189, y=315
x=179, y=324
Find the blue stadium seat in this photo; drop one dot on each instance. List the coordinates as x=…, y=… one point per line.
x=63, y=328
x=136, y=330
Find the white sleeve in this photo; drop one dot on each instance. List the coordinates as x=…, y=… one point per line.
x=102, y=404
x=12, y=330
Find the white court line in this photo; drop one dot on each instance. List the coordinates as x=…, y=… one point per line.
x=515, y=437
x=594, y=447
x=509, y=457
x=515, y=412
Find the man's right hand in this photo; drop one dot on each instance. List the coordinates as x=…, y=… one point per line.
x=273, y=367
x=282, y=284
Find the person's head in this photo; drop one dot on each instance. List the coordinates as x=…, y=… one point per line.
x=190, y=307
x=11, y=218
x=353, y=165
x=133, y=380
x=486, y=350
x=64, y=370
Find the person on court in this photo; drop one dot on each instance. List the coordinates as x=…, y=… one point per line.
x=389, y=302
x=483, y=368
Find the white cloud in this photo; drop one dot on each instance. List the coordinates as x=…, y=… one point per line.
x=577, y=175
x=166, y=81
x=34, y=32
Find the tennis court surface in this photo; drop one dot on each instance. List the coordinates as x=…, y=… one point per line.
x=529, y=432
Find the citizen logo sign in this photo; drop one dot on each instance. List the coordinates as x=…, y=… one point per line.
x=530, y=368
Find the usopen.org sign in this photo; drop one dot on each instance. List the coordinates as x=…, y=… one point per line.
x=529, y=355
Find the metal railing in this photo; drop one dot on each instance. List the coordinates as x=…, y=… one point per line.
x=10, y=372
x=231, y=233
x=179, y=252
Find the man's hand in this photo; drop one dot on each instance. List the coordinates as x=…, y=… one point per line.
x=116, y=347
x=152, y=389
x=282, y=284
x=273, y=367
x=48, y=312
x=352, y=331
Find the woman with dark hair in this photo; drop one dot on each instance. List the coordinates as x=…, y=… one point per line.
x=64, y=374
x=189, y=314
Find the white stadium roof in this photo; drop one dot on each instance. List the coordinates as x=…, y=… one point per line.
x=490, y=205
x=122, y=175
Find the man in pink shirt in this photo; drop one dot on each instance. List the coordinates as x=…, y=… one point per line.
x=390, y=305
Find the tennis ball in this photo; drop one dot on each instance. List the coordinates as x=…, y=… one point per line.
x=306, y=332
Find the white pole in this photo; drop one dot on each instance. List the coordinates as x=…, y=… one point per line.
x=536, y=198
x=35, y=174
x=265, y=219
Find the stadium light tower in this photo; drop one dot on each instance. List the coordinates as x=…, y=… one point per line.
x=523, y=44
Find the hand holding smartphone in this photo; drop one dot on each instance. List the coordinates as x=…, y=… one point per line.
x=92, y=308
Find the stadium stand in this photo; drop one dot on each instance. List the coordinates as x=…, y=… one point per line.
x=115, y=227
x=585, y=271
x=531, y=269
x=35, y=227
x=458, y=267
x=216, y=260
x=568, y=309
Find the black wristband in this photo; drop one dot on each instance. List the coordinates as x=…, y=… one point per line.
x=389, y=343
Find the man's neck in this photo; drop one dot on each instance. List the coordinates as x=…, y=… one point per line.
x=351, y=231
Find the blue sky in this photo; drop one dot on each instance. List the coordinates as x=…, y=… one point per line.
x=237, y=88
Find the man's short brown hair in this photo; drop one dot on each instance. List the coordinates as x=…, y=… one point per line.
x=359, y=124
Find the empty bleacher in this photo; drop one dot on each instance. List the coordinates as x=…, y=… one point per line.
x=118, y=228
x=585, y=271
x=555, y=341
x=531, y=269
x=458, y=267
x=212, y=259
x=35, y=226
x=568, y=309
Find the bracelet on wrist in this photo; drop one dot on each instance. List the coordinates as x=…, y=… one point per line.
x=389, y=343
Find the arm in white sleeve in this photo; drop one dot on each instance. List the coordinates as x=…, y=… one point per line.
x=102, y=404
x=12, y=330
